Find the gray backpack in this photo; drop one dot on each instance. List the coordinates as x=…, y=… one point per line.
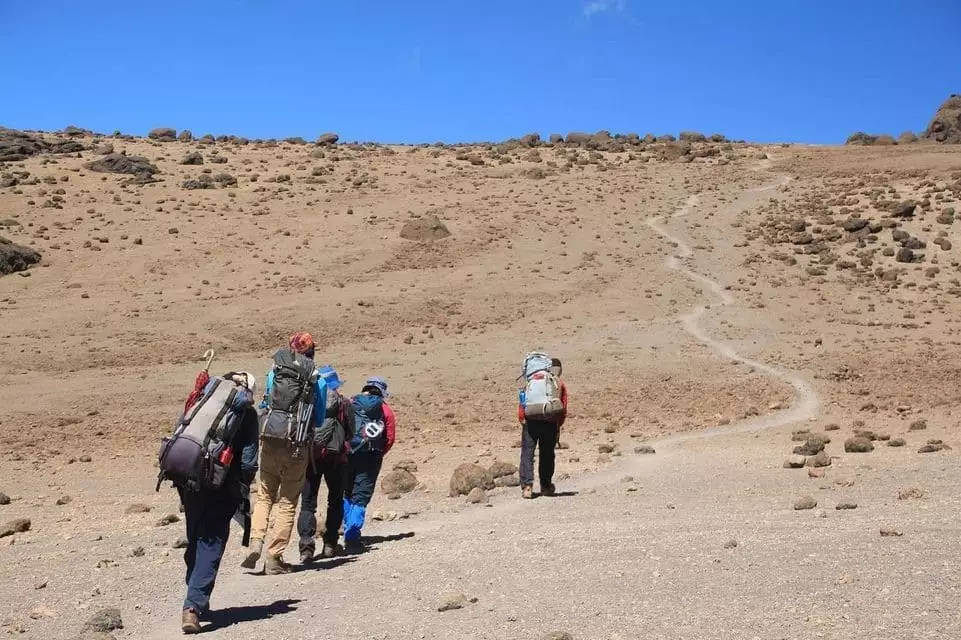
x=198, y=455
x=290, y=405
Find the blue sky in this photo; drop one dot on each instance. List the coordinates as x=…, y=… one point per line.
x=466, y=70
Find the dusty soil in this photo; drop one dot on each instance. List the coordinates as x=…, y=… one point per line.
x=734, y=296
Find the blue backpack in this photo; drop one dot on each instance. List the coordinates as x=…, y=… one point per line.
x=370, y=432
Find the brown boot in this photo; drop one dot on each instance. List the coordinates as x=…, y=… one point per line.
x=527, y=492
x=548, y=490
x=253, y=555
x=275, y=566
x=190, y=621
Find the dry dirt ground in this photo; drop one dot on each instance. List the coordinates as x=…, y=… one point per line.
x=732, y=300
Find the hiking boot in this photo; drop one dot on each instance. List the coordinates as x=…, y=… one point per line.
x=253, y=555
x=548, y=490
x=354, y=547
x=306, y=556
x=275, y=566
x=527, y=492
x=330, y=550
x=190, y=621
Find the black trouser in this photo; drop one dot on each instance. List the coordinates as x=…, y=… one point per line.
x=543, y=435
x=208, y=515
x=332, y=470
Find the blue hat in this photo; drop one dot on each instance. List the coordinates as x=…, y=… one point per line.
x=330, y=377
x=377, y=383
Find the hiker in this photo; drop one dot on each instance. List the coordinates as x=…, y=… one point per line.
x=328, y=464
x=374, y=435
x=212, y=488
x=295, y=397
x=541, y=410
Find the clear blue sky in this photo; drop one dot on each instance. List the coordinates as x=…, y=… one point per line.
x=466, y=70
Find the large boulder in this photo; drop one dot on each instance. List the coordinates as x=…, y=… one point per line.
x=468, y=477
x=14, y=257
x=120, y=163
x=398, y=481
x=163, y=134
x=17, y=145
x=860, y=138
x=946, y=124
x=328, y=139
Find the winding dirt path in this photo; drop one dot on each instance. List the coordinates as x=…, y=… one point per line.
x=807, y=402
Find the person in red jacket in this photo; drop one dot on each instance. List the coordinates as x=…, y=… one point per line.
x=542, y=434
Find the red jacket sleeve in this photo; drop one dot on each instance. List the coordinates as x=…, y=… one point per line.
x=560, y=423
x=390, y=427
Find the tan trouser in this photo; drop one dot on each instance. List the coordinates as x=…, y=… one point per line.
x=281, y=480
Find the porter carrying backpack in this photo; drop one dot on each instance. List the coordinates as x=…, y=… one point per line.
x=370, y=430
x=290, y=404
x=541, y=395
x=337, y=428
x=198, y=455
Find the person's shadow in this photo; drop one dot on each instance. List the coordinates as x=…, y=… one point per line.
x=559, y=494
x=230, y=616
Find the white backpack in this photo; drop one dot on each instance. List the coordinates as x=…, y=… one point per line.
x=542, y=390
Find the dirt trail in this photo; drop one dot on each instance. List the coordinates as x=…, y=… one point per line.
x=806, y=403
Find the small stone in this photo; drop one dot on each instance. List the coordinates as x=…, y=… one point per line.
x=4, y=498
x=85, y=458
x=512, y=480
x=20, y=525
x=137, y=508
x=795, y=462
x=822, y=459
x=40, y=585
x=918, y=425
x=558, y=635
x=62, y=500
x=930, y=448
x=477, y=496
x=644, y=449
x=858, y=444
x=896, y=442
x=453, y=601
x=891, y=533
x=180, y=543
x=911, y=493
x=730, y=544
x=605, y=448
x=805, y=503
x=842, y=506
x=168, y=519
x=104, y=621
x=815, y=472
x=138, y=552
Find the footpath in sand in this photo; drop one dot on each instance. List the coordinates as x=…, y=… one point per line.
x=700, y=540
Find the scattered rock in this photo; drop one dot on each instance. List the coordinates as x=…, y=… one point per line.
x=730, y=544
x=119, y=163
x=811, y=446
x=168, y=519
x=20, y=525
x=469, y=476
x=500, y=469
x=558, y=635
x=85, y=458
x=406, y=465
x=163, y=134
x=14, y=257
x=842, y=506
x=104, y=621
x=186, y=136
x=918, y=425
x=328, y=139
x=815, y=472
x=858, y=444
x=426, y=229
x=795, y=462
x=453, y=601
x=193, y=158
x=820, y=459
x=181, y=543
x=896, y=442
x=513, y=480
x=946, y=124
x=137, y=508
x=477, y=496
x=62, y=500
x=891, y=533
x=605, y=447
x=4, y=498
x=912, y=493
x=644, y=449
x=805, y=503
x=398, y=481
x=931, y=447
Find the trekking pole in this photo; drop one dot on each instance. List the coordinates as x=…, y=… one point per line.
x=209, y=357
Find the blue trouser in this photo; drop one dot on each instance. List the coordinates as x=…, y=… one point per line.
x=363, y=468
x=208, y=515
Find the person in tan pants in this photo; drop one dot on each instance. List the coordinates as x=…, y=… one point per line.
x=283, y=464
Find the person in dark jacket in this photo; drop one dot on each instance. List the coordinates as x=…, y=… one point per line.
x=374, y=435
x=328, y=465
x=208, y=514
x=540, y=434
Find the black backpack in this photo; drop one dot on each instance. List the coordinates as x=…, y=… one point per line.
x=290, y=405
x=338, y=426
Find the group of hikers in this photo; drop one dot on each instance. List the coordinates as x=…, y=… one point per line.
x=302, y=433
